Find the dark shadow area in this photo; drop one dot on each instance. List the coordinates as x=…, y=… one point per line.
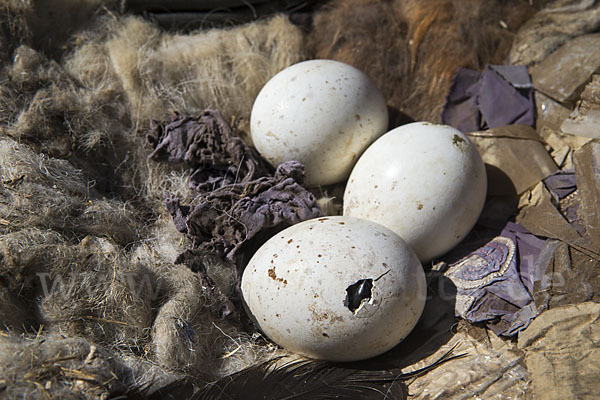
x=499, y=184
x=397, y=118
x=55, y=22
x=186, y=16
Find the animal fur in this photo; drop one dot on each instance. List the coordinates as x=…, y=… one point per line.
x=86, y=244
x=412, y=48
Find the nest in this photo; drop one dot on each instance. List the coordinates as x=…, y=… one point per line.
x=92, y=301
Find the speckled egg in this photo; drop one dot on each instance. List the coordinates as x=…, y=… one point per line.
x=425, y=182
x=335, y=288
x=322, y=113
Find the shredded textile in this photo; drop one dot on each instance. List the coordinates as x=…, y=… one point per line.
x=238, y=196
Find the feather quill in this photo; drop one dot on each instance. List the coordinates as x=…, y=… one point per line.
x=303, y=380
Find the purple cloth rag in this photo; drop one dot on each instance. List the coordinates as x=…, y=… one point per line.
x=562, y=185
x=499, y=95
x=495, y=283
x=239, y=199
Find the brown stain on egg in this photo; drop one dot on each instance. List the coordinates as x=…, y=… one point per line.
x=273, y=275
x=459, y=142
x=271, y=134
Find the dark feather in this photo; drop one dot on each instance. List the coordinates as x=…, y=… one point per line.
x=303, y=379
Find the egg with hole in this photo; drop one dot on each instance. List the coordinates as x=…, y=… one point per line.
x=335, y=288
x=323, y=113
x=425, y=182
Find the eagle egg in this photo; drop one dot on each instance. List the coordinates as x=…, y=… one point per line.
x=425, y=182
x=335, y=288
x=322, y=113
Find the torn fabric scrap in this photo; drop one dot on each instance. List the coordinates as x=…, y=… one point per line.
x=495, y=283
x=238, y=195
x=563, y=188
x=562, y=183
x=500, y=95
x=221, y=221
x=215, y=154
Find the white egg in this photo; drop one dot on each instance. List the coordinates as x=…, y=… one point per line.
x=322, y=113
x=335, y=288
x=425, y=182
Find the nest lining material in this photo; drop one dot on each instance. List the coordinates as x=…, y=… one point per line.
x=91, y=303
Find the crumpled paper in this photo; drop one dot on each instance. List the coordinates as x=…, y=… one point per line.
x=565, y=71
x=562, y=352
x=549, y=112
x=517, y=156
x=562, y=146
x=553, y=210
x=587, y=169
x=500, y=95
x=562, y=187
x=585, y=118
x=512, y=278
x=554, y=25
x=493, y=369
x=539, y=214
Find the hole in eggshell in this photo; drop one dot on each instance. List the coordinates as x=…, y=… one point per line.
x=357, y=294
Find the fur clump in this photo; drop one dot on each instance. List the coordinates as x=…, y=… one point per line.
x=14, y=28
x=411, y=49
x=87, y=248
x=55, y=115
x=162, y=72
x=59, y=367
x=133, y=302
x=45, y=25
x=39, y=191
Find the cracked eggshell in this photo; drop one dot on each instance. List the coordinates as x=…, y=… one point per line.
x=335, y=288
x=322, y=113
x=425, y=182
